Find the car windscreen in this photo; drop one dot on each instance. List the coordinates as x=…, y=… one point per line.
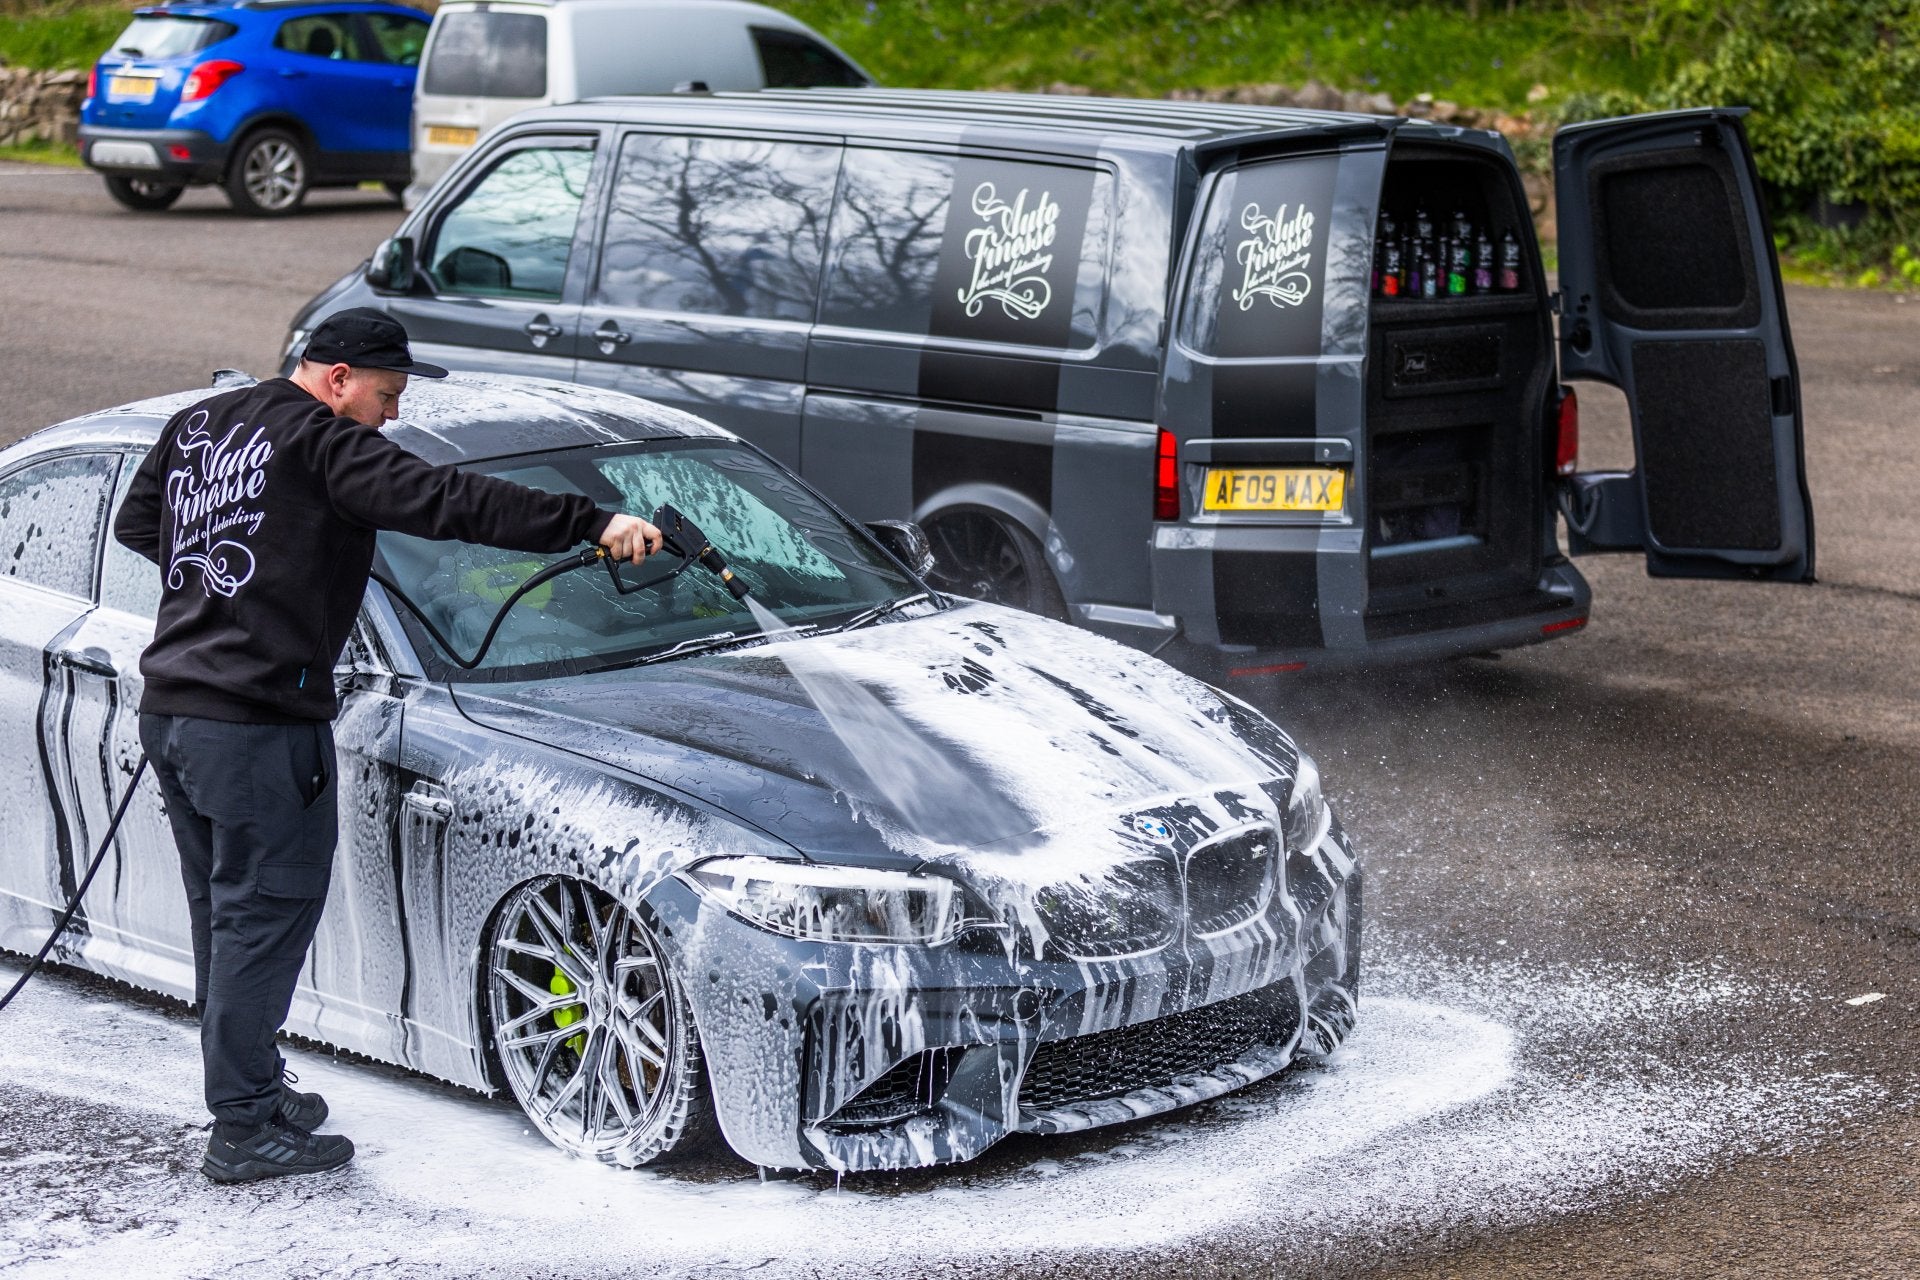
x=801, y=561
x=170, y=36
x=487, y=54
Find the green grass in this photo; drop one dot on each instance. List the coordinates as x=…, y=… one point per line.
x=1147, y=47
x=42, y=153
x=66, y=33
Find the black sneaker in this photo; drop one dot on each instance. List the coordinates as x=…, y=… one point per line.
x=301, y=1110
x=275, y=1150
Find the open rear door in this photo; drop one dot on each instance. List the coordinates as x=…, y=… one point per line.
x=1669, y=289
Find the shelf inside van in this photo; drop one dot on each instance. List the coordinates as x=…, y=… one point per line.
x=1469, y=307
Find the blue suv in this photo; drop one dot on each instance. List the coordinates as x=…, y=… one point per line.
x=266, y=98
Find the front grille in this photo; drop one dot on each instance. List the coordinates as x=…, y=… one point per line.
x=1132, y=909
x=1229, y=880
x=1108, y=1063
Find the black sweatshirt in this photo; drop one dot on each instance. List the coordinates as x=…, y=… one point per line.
x=260, y=507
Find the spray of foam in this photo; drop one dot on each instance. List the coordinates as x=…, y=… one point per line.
x=930, y=792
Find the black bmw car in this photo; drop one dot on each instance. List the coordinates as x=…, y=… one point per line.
x=850, y=874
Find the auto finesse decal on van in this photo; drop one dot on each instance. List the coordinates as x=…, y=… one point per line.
x=1269, y=225
x=1011, y=252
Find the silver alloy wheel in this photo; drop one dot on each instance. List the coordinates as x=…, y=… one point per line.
x=589, y=1024
x=275, y=174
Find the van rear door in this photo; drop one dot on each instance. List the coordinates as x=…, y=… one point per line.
x=1670, y=290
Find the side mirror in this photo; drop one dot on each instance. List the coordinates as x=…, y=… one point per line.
x=908, y=543
x=391, y=267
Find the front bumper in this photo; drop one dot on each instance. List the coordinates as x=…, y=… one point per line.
x=864, y=1057
x=180, y=157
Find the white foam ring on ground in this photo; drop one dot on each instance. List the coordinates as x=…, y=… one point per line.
x=1430, y=1116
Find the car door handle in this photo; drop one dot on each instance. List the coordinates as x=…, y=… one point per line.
x=95, y=662
x=430, y=800
x=541, y=330
x=610, y=335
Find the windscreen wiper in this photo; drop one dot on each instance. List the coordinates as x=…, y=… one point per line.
x=882, y=610
x=719, y=640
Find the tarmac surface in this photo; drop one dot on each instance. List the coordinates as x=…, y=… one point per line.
x=1621, y=889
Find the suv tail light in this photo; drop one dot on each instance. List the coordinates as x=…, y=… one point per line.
x=208, y=76
x=93, y=81
x=1166, y=479
x=1566, y=447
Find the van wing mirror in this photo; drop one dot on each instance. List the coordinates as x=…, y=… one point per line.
x=908, y=543
x=392, y=266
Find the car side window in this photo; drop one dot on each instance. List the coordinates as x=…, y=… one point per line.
x=511, y=234
x=129, y=581
x=719, y=226
x=396, y=39
x=969, y=247
x=50, y=517
x=795, y=60
x=321, y=35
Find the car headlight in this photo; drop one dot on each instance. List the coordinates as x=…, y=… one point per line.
x=838, y=904
x=1306, y=808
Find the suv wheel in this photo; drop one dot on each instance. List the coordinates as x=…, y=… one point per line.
x=982, y=556
x=143, y=195
x=270, y=174
x=591, y=1028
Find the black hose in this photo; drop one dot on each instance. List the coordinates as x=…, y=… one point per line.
x=66, y=917
x=578, y=560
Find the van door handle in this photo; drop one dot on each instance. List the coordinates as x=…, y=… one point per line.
x=95, y=662
x=541, y=329
x=430, y=800
x=610, y=335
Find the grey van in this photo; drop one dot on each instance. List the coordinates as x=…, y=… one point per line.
x=1128, y=363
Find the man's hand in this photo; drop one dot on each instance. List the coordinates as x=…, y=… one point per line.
x=630, y=538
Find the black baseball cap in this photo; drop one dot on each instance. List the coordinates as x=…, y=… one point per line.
x=366, y=339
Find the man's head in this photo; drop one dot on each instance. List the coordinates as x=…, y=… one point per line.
x=357, y=363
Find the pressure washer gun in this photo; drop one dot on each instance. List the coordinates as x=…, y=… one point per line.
x=682, y=537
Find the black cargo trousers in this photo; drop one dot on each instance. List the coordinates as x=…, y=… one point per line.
x=254, y=814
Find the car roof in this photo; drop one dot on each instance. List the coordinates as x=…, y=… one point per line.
x=1067, y=122
x=468, y=417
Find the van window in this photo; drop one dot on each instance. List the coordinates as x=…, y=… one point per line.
x=399, y=39
x=722, y=226
x=1259, y=266
x=324, y=35
x=483, y=54
x=511, y=234
x=795, y=60
x=968, y=247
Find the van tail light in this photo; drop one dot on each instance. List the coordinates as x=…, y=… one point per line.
x=93, y=81
x=208, y=76
x=1166, y=479
x=1566, y=447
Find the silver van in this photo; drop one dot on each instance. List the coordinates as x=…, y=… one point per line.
x=485, y=60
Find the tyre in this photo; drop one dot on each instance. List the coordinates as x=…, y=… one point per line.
x=143, y=195
x=270, y=174
x=591, y=1029
x=983, y=556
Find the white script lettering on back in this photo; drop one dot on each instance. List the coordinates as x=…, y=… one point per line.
x=1011, y=254
x=1275, y=255
x=212, y=496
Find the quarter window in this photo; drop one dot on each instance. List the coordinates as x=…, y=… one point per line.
x=50, y=522
x=510, y=236
x=793, y=60
x=324, y=35
x=720, y=226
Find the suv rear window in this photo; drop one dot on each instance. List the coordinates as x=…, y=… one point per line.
x=791, y=60
x=167, y=36
x=488, y=55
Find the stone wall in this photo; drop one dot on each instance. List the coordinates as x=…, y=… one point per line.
x=40, y=106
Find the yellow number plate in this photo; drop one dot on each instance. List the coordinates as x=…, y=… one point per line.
x=131, y=88
x=1276, y=489
x=448, y=135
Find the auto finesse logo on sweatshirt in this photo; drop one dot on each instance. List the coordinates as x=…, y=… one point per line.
x=1275, y=256
x=1012, y=253
x=212, y=499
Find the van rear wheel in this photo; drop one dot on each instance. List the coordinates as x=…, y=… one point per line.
x=984, y=556
x=141, y=194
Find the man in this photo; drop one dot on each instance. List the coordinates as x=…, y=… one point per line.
x=261, y=506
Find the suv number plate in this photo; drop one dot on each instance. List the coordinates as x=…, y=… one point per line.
x=131, y=88
x=1276, y=489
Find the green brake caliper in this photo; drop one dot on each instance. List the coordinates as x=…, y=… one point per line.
x=567, y=1016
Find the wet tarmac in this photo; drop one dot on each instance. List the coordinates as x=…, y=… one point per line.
x=1621, y=890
